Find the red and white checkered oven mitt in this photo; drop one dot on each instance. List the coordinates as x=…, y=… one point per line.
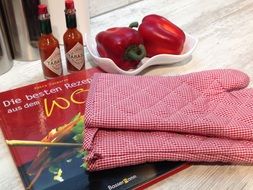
x=131, y=120
x=110, y=149
x=202, y=103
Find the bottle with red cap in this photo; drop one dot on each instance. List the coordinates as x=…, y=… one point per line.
x=48, y=46
x=73, y=40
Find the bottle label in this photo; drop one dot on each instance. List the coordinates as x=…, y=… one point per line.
x=53, y=62
x=76, y=56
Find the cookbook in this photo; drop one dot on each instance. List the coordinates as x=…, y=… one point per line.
x=43, y=125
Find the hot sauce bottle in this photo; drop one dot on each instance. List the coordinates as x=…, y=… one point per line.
x=48, y=46
x=73, y=40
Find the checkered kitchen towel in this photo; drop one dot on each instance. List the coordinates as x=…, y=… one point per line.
x=204, y=116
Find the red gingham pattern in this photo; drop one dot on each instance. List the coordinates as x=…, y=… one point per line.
x=204, y=103
x=209, y=103
x=112, y=149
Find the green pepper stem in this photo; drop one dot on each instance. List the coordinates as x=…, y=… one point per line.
x=135, y=53
x=133, y=25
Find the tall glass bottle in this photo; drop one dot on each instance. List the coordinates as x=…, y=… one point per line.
x=48, y=46
x=73, y=40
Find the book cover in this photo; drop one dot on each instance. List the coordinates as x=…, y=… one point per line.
x=43, y=124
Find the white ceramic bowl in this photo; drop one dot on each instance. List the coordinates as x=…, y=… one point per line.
x=109, y=66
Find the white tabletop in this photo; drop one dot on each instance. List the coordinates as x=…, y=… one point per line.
x=225, y=33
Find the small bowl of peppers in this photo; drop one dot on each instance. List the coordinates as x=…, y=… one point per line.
x=124, y=50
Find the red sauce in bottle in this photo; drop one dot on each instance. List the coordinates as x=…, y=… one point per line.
x=73, y=40
x=48, y=46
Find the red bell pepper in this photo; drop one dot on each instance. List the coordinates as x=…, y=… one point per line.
x=123, y=45
x=160, y=36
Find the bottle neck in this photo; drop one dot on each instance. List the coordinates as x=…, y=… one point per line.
x=70, y=16
x=45, y=25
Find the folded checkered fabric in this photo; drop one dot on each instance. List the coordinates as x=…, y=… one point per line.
x=212, y=105
x=109, y=149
